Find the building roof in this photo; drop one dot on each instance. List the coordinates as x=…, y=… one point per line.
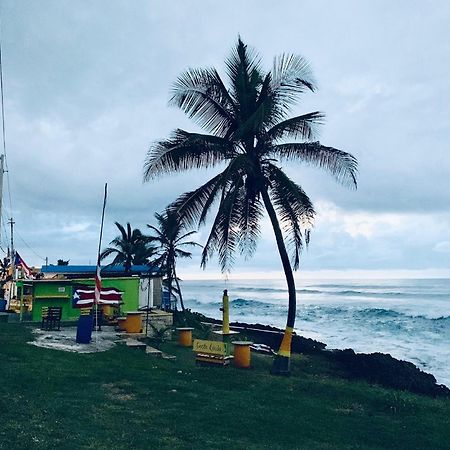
x=116, y=270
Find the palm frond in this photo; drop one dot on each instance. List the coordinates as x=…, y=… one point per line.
x=243, y=69
x=122, y=230
x=192, y=205
x=182, y=253
x=190, y=244
x=304, y=127
x=224, y=233
x=251, y=211
x=107, y=252
x=184, y=236
x=291, y=76
x=185, y=151
x=343, y=166
x=201, y=94
x=293, y=207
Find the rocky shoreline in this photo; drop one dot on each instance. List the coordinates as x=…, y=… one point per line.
x=377, y=368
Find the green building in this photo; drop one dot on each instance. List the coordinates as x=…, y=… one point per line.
x=141, y=288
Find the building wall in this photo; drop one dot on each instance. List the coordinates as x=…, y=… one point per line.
x=157, y=292
x=59, y=293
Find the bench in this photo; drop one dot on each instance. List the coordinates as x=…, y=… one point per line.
x=211, y=353
x=51, y=317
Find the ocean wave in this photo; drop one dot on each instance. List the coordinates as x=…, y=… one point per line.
x=365, y=313
x=241, y=302
x=350, y=293
x=377, y=294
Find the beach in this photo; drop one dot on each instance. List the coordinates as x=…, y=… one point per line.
x=409, y=318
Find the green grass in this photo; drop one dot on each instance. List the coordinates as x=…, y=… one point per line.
x=125, y=399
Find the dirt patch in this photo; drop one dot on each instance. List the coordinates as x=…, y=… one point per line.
x=65, y=340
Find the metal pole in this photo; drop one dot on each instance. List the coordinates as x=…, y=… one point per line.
x=148, y=305
x=13, y=262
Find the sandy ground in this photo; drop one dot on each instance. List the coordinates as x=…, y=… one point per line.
x=66, y=340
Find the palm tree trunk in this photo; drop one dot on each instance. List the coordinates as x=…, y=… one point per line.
x=179, y=290
x=169, y=283
x=282, y=361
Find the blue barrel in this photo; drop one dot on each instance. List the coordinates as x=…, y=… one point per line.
x=2, y=304
x=84, y=329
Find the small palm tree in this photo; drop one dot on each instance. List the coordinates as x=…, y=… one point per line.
x=170, y=238
x=249, y=133
x=131, y=247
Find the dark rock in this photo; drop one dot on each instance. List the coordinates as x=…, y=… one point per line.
x=383, y=369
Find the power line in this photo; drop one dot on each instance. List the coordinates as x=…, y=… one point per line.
x=29, y=246
x=3, y=121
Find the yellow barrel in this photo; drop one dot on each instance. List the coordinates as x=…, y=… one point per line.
x=185, y=337
x=121, y=323
x=107, y=311
x=133, y=323
x=242, y=354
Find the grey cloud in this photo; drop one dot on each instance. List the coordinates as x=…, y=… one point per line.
x=87, y=90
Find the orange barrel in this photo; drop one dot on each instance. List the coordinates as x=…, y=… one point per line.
x=185, y=337
x=242, y=354
x=121, y=323
x=133, y=324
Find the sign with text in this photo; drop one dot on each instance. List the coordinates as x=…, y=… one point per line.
x=210, y=347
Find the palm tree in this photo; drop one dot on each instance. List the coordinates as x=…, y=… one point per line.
x=249, y=133
x=131, y=247
x=170, y=238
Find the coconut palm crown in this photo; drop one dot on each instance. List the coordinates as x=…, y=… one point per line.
x=170, y=238
x=248, y=133
x=131, y=247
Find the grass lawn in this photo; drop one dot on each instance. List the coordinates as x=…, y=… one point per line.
x=124, y=398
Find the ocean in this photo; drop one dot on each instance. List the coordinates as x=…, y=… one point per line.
x=410, y=319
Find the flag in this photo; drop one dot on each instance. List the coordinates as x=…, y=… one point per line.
x=19, y=262
x=85, y=296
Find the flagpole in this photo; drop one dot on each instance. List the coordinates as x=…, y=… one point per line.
x=98, y=285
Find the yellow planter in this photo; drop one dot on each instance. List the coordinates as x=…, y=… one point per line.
x=242, y=355
x=121, y=323
x=133, y=323
x=185, y=337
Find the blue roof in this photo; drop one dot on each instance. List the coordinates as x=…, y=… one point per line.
x=116, y=269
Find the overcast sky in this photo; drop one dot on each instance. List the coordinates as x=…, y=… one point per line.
x=86, y=91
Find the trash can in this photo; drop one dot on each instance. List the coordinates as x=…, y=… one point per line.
x=84, y=328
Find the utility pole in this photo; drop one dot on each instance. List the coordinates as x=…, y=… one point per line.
x=2, y=170
x=13, y=266
x=13, y=255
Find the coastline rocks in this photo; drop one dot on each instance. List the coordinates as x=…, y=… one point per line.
x=272, y=336
x=383, y=369
x=378, y=368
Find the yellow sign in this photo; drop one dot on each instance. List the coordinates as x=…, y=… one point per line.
x=210, y=347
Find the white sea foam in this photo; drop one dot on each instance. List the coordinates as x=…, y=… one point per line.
x=410, y=319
